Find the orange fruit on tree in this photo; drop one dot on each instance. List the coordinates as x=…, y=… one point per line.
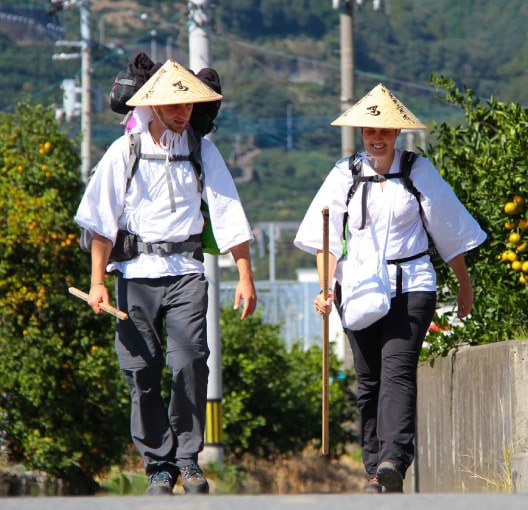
x=516, y=265
x=514, y=238
x=508, y=225
x=510, y=255
x=522, y=247
x=519, y=200
x=524, y=266
x=523, y=224
x=510, y=208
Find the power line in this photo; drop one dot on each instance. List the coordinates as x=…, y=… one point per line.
x=320, y=63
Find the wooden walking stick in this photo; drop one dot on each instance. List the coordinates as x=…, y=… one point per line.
x=106, y=308
x=325, y=376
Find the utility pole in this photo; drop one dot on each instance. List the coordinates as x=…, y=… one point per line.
x=86, y=89
x=200, y=56
x=346, y=26
x=86, y=81
x=346, y=23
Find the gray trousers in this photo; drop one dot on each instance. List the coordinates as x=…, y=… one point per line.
x=168, y=437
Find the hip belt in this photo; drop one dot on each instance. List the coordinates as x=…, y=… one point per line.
x=399, y=276
x=192, y=246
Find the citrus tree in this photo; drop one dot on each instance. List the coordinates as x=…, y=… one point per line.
x=486, y=163
x=63, y=403
x=272, y=394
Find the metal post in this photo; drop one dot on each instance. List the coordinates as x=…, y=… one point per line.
x=289, y=127
x=86, y=88
x=271, y=248
x=200, y=56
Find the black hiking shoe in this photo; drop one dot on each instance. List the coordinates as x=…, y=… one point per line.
x=389, y=477
x=193, y=480
x=160, y=484
x=373, y=486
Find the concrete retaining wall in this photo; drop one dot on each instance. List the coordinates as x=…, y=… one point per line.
x=473, y=421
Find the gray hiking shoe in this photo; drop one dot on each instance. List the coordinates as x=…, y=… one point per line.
x=389, y=477
x=373, y=486
x=161, y=483
x=193, y=480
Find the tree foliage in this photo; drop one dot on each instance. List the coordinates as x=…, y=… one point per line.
x=486, y=163
x=272, y=395
x=62, y=398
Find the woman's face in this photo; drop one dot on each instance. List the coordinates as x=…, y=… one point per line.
x=379, y=142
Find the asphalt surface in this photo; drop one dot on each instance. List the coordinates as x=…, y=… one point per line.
x=482, y=501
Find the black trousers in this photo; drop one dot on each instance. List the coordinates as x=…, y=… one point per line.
x=386, y=360
x=168, y=437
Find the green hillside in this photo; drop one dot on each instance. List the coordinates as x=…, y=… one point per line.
x=280, y=66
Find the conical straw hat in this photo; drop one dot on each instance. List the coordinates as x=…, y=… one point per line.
x=173, y=84
x=379, y=109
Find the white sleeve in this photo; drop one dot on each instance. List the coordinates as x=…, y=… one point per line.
x=332, y=193
x=102, y=203
x=451, y=226
x=228, y=219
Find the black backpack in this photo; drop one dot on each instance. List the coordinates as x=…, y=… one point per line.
x=125, y=246
x=126, y=84
x=355, y=166
x=129, y=81
x=406, y=162
x=138, y=72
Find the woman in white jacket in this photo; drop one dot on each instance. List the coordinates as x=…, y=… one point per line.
x=386, y=352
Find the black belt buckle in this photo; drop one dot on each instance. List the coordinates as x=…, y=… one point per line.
x=160, y=251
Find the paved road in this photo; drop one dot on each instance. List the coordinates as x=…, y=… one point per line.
x=266, y=502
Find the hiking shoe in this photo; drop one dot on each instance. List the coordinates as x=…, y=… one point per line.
x=373, y=486
x=193, y=480
x=160, y=484
x=389, y=477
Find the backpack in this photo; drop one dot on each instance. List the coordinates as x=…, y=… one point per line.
x=126, y=245
x=355, y=166
x=208, y=240
x=406, y=162
x=126, y=84
x=138, y=72
x=129, y=81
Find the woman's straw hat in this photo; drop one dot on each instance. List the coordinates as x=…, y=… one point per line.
x=173, y=84
x=379, y=109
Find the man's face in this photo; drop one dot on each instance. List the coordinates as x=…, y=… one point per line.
x=176, y=116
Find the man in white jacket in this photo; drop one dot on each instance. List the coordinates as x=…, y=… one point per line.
x=162, y=287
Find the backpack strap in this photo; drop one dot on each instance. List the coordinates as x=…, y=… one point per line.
x=134, y=141
x=355, y=165
x=195, y=154
x=406, y=162
x=194, y=157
